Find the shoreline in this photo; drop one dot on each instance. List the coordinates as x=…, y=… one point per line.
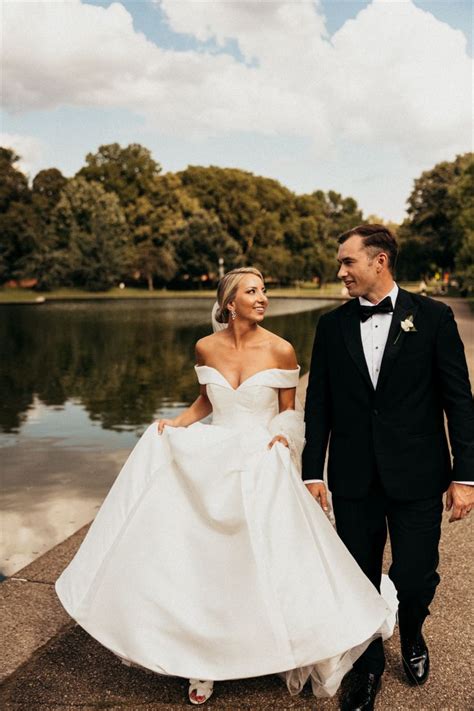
x=329, y=292
x=10, y=297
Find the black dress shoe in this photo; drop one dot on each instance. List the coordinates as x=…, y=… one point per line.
x=361, y=693
x=416, y=660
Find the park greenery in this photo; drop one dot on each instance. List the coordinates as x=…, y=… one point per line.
x=438, y=234
x=120, y=219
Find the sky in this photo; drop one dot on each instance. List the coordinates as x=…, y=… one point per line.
x=354, y=96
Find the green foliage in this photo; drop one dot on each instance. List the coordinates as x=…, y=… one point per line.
x=87, y=244
x=199, y=244
x=150, y=205
x=463, y=193
x=342, y=213
x=18, y=228
x=249, y=208
x=120, y=218
x=289, y=237
x=46, y=191
x=439, y=208
x=129, y=172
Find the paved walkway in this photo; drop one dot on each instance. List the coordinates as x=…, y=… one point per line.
x=49, y=663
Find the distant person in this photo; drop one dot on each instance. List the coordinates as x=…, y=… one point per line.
x=209, y=559
x=386, y=367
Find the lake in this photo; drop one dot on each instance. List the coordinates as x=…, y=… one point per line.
x=80, y=382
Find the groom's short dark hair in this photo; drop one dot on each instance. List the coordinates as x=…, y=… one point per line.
x=376, y=238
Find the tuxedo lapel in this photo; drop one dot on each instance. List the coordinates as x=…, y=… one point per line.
x=404, y=307
x=352, y=338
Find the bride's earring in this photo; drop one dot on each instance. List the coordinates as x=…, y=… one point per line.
x=233, y=315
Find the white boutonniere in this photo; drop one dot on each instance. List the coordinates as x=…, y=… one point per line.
x=407, y=326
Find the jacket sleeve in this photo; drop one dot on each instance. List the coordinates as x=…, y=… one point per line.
x=457, y=396
x=317, y=408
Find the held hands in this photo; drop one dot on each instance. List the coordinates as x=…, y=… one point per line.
x=318, y=491
x=459, y=500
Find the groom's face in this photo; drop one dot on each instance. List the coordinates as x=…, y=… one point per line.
x=357, y=267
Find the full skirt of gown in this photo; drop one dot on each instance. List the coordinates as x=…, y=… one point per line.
x=209, y=558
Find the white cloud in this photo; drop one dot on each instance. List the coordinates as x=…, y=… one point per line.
x=265, y=30
x=408, y=77
x=393, y=77
x=29, y=148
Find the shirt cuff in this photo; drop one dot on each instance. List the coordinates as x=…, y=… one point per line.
x=313, y=481
x=468, y=483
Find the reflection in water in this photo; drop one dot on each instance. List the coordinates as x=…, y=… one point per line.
x=79, y=384
x=48, y=492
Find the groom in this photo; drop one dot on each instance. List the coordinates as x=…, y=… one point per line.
x=386, y=367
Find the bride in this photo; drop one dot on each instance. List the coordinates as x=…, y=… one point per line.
x=209, y=559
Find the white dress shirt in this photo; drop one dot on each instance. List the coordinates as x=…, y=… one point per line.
x=374, y=334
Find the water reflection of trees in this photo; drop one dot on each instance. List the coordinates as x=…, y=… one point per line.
x=120, y=361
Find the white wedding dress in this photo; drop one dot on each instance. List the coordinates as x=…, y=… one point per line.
x=209, y=558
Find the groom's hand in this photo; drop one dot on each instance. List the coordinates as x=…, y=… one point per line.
x=318, y=491
x=459, y=500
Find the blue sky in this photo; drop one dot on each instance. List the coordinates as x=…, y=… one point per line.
x=457, y=13
x=358, y=97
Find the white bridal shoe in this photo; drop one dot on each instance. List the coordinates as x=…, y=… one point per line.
x=200, y=690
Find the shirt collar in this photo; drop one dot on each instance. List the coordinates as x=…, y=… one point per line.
x=393, y=293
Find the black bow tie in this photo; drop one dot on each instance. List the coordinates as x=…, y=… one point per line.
x=383, y=307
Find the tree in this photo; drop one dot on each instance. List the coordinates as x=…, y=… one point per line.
x=463, y=193
x=129, y=172
x=432, y=234
x=46, y=191
x=148, y=203
x=18, y=226
x=321, y=218
x=88, y=239
x=251, y=209
x=152, y=257
x=200, y=242
x=342, y=213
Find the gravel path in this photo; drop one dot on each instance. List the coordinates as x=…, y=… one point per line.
x=71, y=671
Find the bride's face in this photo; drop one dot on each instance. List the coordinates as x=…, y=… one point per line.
x=250, y=301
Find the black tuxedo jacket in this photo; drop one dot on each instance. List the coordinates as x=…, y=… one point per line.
x=394, y=433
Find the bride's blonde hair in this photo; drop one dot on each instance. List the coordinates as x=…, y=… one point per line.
x=227, y=289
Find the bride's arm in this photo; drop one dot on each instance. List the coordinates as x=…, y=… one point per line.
x=287, y=360
x=200, y=409
x=286, y=399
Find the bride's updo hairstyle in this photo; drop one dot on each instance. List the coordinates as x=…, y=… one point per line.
x=227, y=289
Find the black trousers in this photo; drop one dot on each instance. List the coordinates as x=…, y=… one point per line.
x=414, y=528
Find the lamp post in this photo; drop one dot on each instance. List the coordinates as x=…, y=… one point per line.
x=221, y=267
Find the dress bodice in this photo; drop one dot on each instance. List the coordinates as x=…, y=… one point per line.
x=254, y=401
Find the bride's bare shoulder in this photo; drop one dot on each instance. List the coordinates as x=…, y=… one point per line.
x=282, y=351
x=205, y=346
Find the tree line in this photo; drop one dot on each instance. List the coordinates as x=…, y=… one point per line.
x=120, y=219
x=438, y=234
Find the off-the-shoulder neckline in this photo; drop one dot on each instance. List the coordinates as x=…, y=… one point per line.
x=265, y=370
